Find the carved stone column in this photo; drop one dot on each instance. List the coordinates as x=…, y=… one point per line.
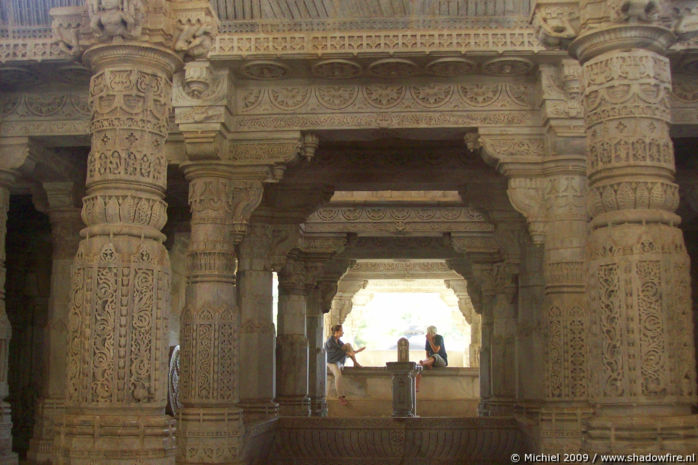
x=257, y=338
x=465, y=305
x=502, y=342
x=529, y=338
x=641, y=343
x=66, y=224
x=7, y=457
x=565, y=309
x=210, y=424
x=319, y=302
x=116, y=381
x=292, y=340
x=485, y=302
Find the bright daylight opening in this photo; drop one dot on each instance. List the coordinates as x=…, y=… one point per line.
x=385, y=311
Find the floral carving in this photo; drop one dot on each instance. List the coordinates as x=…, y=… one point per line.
x=289, y=98
x=480, y=95
x=384, y=95
x=336, y=97
x=432, y=95
x=251, y=98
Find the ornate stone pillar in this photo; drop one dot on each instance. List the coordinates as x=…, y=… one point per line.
x=319, y=301
x=465, y=305
x=317, y=358
x=502, y=341
x=292, y=340
x=565, y=309
x=116, y=384
x=257, y=335
x=210, y=424
x=6, y=455
x=66, y=224
x=641, y=343
x=529, y=338
x=485, y=302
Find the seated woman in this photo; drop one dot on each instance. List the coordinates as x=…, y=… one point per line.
x=436, y=352
x=337, y=353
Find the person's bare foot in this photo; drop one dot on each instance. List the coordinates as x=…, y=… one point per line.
x=358, y=365
x=343, y=400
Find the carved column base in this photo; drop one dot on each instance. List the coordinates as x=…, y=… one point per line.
x=318, y=407
x=560, y=428
x=294, y=406
x=48, y=414
x=210, y=435
x=497, y=407
x=641, y=434
x=115, y=439
x=7, y=457
x=254, y=409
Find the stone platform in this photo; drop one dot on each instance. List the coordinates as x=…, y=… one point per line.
x=387, y=441
x=444, y=392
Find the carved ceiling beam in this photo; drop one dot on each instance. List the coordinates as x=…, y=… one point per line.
x=289, y=204
x=391, y=269
x=379, y=220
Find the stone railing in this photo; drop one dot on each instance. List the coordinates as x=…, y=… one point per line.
x=443, y=392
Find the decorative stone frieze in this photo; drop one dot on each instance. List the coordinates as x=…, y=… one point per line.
x=66, y=223
x=641, y=350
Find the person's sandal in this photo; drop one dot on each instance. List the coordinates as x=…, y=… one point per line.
x=343, y=400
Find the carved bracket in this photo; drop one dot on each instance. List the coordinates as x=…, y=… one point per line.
x=556, y=22
x=527, y=196
x=512, y=148
x=197, y=25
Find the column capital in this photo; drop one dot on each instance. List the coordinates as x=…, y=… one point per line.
x=215, y=191
x=14, y=153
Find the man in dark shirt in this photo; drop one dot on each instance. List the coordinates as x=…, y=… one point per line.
x=436, y=352
x=337, y=353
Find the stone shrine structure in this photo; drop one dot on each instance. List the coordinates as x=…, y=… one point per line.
x=174, y=154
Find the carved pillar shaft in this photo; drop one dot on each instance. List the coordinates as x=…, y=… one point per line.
x=529, y=340
x=117, y=352
x=642, y=347
x=502, y=343
x=6, y=454
x=257, y=339
x=485, y=358
x=292, y=341
x=475, y=340
x=565, y=312
x=317, y=361
x=210, y=426
x=66, y=224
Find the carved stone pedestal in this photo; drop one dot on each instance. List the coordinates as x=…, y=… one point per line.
x=404, y=388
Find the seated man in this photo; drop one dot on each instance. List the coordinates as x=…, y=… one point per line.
x=337, y=353
x=436, y=353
